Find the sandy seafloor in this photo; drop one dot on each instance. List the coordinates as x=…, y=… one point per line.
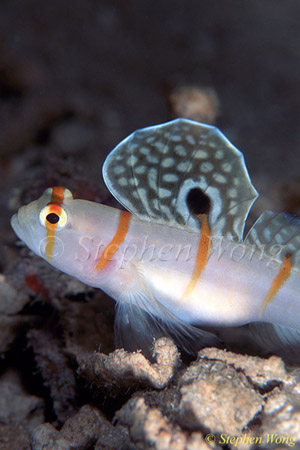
x=76, y=78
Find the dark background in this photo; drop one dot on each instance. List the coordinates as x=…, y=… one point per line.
x=78, y=76
x=107, y=67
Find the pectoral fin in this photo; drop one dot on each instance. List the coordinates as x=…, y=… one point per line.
x=135, y=329
x=140, y=318
x=273, y=338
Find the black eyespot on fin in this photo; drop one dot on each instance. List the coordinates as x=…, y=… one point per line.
x=198, y=202
x=52, y=218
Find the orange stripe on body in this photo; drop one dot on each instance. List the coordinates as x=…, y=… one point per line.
x=279, y=280
x=202, y=254
x=117, y=240
x=57, y=197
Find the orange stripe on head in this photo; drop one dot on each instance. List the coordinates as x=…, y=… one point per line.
x=50, y=244
x=279, y=280
x=117, y=240
x=57, y=197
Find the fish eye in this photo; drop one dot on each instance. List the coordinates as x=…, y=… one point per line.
x=53, y=217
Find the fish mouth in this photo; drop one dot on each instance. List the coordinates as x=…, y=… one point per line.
x=16, y=226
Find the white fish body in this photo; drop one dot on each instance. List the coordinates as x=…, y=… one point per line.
x=177, y=259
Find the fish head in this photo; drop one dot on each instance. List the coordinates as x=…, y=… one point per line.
x=41, y=223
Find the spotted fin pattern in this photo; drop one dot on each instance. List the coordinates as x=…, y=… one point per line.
x=277, y=235
x=151, y=172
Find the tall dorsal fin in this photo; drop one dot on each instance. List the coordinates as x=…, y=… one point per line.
x=152, y=171
x=277, y=235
